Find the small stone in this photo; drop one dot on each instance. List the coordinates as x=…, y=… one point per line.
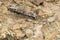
x=17, y=1
x=51, y=19
x=3, y=35
x=10, y=21
x=4, y=9
x=58, y=35
x=27, y=39
x=41, y=13
x=58, y=15
x=50, y=0
x=19, y=33
x=24, y=25
x=16, y=26
x=0, y=3
x=8, y=3
x=1, y=25
x=29, y=32
x=4, y=29
x=27, y=9
x=37, y=2
x=10, y=33
x=49, y=13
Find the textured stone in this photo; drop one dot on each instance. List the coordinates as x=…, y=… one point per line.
x=0, y=3
x=18, y=33
x=19, y=27
x=51, y=19
x=37, y=2
x=50, y=0
x=29, y=33
x=41, y=13
x=16, y=26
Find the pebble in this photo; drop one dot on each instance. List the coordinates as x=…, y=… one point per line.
x=41, y=13
x=50, y=0
x=58, y=36
x=51, y=19
x=0, y=3
x=19, y=33
x=16, y=26
x=0, y=24
x=17, y=1
x=27, y=39
x=29, y=32
x=3, y=35
x=37, y=2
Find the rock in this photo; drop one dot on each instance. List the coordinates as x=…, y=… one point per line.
x=51, y=19
x=3, y=32
x=0, y=3
x=40, y=13
x=16, y=26
x=18, y=33
x=18, y=1
x=3, y=35
x=22, y=25
x=10, y=33
x=48, y=12
x=1, y=25
x=27, y=39
x=8, y=3
x=50, y=0
x=4, y=10
x=27, y=9
x=37, y=2
x=58, y=15
x=37, y=32
x=10, y=21
x=29, y=32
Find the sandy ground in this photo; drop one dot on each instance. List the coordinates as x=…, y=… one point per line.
x=15, y=26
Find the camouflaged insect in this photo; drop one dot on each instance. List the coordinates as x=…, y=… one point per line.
x=26, y=8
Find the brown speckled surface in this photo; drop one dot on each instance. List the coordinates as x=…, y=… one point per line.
x=15, y=26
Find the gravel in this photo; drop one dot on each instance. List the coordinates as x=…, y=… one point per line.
x=37, y=22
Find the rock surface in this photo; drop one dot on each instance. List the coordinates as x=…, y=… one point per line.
x=30, y=20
